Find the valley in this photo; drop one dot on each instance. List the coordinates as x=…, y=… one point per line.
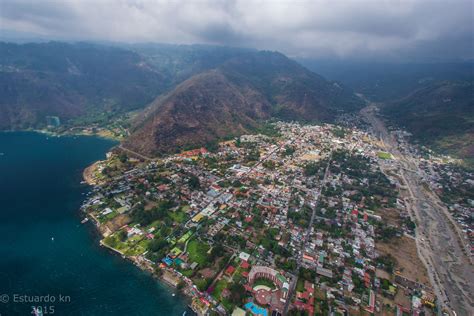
x=452, y=273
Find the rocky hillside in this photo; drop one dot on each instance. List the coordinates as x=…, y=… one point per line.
x=233, y=99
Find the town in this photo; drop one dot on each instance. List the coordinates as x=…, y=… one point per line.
x=293, y=220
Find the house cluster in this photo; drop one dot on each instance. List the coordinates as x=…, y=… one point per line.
x=455, y=185
x=236, y=227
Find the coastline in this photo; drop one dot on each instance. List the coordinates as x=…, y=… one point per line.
x=58, y=244
x=66, y=133
x=69, y=132
x=139, y=263
x=65, y=255
x=88, y=174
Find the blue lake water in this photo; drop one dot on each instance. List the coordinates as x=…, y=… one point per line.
x=44, y=250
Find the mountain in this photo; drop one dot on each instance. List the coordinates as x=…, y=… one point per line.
x=440, y=115
x=180, y=62
x=85, y=83
x=382, y=82
x=70, y=81
x=434, y=101
x=204, y=108
x=184, y=95
x=233, y=99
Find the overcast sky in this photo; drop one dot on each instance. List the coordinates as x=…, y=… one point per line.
x=406, y=30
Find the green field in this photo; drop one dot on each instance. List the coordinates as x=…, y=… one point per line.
x=177, y=216
x=265, y=282
x=384, y=155
x=133, y=246
x=106, y=218
x=198, y=252
x=300, y=285
x=114, y=242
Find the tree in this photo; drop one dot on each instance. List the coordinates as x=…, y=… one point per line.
x=216, y=251
x=194, y=182
x=123, y=158
x=289, y=150
x=385, y=284
x=237, y=184
x=159, y=212
x=296, y=312
x=237, y=295
x=269, y=164
x=212, y=146
x=122, y=235
x=180, y=285
x=311, y=169
x=157, y=244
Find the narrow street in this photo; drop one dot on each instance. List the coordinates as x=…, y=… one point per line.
x=317, y=194
x=440, y=246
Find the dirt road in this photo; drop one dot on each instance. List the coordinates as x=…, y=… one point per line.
x=440, y=246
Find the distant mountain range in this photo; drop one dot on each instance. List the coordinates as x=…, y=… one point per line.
x=383, y=82
x=192, y=95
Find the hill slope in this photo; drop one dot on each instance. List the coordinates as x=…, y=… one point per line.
x=90, y=83
x=71, y=80
x=383, y=82
x=202, y=109
x=440, y=115
x=233, y=98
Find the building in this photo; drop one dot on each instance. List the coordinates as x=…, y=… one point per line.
x=324, y=272
x=258, y=272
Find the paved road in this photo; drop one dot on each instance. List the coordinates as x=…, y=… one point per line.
x=294, y=280
x=134, y=153
x=439, y=243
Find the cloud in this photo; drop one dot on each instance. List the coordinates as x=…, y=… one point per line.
x=317, y=28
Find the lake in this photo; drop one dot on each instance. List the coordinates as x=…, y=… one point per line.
x=46, y=253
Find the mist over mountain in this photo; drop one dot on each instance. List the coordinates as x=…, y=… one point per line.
x=307, y=157
x=433, y=101
x=386, y=81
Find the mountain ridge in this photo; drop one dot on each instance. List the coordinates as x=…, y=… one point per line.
x=238, y=94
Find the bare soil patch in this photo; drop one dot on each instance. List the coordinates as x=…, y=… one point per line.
x=118, y=222
x=408, y=264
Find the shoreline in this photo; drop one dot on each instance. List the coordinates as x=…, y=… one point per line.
x=184, y=292
x=67, y=133
x=88, y=174
x=65, y=246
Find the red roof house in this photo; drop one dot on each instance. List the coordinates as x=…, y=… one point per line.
x=230, y=270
